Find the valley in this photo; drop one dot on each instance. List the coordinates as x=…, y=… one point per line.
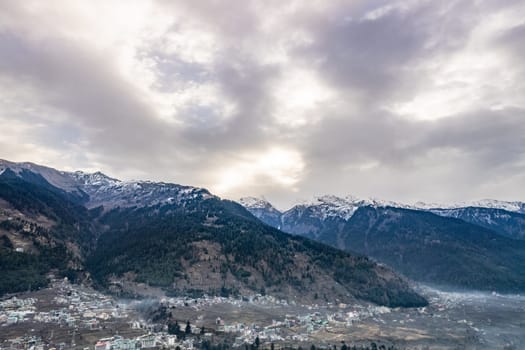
x=475, y=251
x=70, y=316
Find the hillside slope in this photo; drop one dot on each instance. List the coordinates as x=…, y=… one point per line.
x=437, y=250
x=217, y=247
x=41, y=230
x=180, y=239
x=507, y=223
x=417, y=243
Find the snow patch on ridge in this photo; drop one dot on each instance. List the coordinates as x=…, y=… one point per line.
x=517, y=207
x=255, y=203
x=342, y=207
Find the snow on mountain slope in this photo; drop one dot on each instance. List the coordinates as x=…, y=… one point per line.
x=327, y=206
x=517, y=207
x=341, y=207
x=344, y=207
x=59, y=179
x=141, y=193
x=256, y=203
x=491, y=214
x=481, y=214
x=263, y=210
x=110, y=192
x=320, y=207
x=505, y=222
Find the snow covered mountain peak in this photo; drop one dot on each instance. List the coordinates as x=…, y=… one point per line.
x=343, y=207
x=328, y=206
x=97, y=189
x=263, y=210
x=516, y=206
x=496, y=204
x=93, y=179
x=331, y=206
x=112, y=193
x=376, y=202
x=256, y=203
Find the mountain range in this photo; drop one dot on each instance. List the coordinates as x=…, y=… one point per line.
x=462, y=247
x=137, y=238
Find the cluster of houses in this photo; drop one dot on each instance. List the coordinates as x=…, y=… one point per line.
x=81, y=308
x=31, y=342
x=299, y=328
x=76, y=308
x=25, y=342
x=159, y=340
x=15, y=310
x=293, y=328
x=86, y=308
x=69, y=306
x=206, y=301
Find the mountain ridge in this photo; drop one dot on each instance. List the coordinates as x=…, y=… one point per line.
x=421, y=237
x=182, y=239
x=492, y=214
x=352, y=201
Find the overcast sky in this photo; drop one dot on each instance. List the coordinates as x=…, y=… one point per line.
x=400, y=100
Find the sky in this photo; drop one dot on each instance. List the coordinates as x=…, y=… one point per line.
x=400, y=100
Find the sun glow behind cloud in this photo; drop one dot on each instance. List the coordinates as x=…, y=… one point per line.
x=282, y=167
x=299, y=93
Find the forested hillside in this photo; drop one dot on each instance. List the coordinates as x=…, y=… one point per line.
x=179, y=239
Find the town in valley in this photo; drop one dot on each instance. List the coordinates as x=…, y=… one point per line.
x=69, y=316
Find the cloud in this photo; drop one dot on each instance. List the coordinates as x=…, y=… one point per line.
x=275, y=167
x=405, y=100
